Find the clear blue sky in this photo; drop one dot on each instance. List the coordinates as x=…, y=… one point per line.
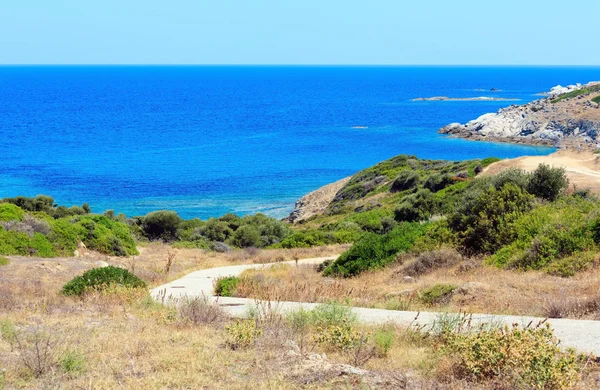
x=299, y=32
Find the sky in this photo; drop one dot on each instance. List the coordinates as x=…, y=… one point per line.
x=319, y=32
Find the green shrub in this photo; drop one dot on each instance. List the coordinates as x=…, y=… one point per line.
x=405, y=180
x=437, y=182
x=416, y=207
x=370, y=221
x=531, y=358
x=340, y=337
x=225, y=286
x=374, y=251
x=384, y=340
x=10, y=212
x=161, y=225
x=242, y=334
x=437, y=294
x=332, y=313
x=596, y=99
x=247, y=236
x=515, y=176
x=72, y=363
x=101, y=278
x=303, y=239
x=484, y=222
x=216, y=230
x=4, y=261
x=548, y=182
x=550, y=234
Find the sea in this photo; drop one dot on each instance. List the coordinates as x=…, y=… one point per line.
x=207, y=140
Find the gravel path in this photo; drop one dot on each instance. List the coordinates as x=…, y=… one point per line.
x=583, y=335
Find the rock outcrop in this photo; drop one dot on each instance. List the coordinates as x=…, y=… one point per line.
x=315, y=202
x=566, y=113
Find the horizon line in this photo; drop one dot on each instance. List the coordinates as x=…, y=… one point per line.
x=295, y=65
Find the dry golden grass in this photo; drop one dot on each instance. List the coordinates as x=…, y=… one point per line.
x=481, y=289
x=120, y=338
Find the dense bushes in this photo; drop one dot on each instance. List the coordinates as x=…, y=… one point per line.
x=161, y=225
x=101, y=278
x=483, y=222
x=406, y=180
x=36, y=233
x=416, y=207
x=374, y=250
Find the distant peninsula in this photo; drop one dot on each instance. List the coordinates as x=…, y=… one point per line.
x=467, y=99
x=565, y=117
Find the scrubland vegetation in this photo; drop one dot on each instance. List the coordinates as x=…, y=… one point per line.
x=413, y=235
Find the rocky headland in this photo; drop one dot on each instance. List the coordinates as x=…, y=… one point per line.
x=467, y=99
x=565, y=116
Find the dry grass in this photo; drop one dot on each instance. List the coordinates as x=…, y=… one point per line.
x=481, y=289
x=119, y=338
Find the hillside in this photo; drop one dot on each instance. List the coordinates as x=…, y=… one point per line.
x=565, y=114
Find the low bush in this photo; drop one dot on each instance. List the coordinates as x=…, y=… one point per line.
x=374, y=251
x=225, y=286
x=161, y=225
x=437, y=294
x=437, y=182
x=247, y=236
x=416, y=207
x=332, y=313
x=10, y=212
x=72, y=363
x=529, y=358
x=101, y=278
x=4, y=261
x=548, y=182
x=242, y=334
x=484, y=220
x=405, y=180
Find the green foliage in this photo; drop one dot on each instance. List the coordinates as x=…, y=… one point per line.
x=4, y=261
x=515, y=176
x=161, y=225
x=340, y=337
x=304, y=239
x=548, y=182
x=530, y=357
x=45, y=204
x=437, y=294
x=596, y=100
x=370, y=221
x=247, y=236
x=242, y=334
x=101, y=278
x=332, y=313
x=19, y=243
x=384, y=340
x=484, y=220
x=437, y=182
x=550, y=234
x=416, y=207
x=216, y=230
x=72, y=363
x=374, y=251
x=405, y=180
x=225, y=286
x=10, y=212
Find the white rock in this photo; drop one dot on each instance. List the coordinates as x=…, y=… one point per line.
x=101, y=264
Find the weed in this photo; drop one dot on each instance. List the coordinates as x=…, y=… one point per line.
x=225, y=286
x=72, y=363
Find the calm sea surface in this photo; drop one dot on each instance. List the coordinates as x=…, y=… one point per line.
x=208, y=140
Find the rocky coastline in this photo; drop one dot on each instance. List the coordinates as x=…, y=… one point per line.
x=565, y=116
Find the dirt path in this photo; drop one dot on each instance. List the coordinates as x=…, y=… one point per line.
x=583, y=335
x=583, y=167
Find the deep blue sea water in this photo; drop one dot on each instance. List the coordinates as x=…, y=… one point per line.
x=208, y=140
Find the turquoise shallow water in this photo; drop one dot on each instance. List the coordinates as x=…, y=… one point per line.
x=209, y=140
